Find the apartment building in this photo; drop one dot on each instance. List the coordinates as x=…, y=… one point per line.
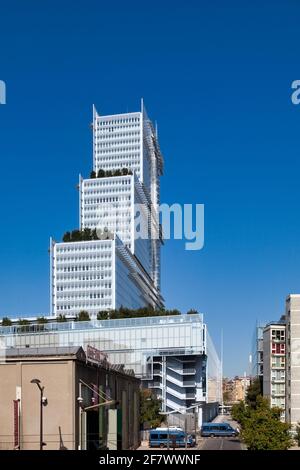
x=274, y=370
x=293, y=359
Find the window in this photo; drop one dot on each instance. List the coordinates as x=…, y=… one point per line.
x=278, y=348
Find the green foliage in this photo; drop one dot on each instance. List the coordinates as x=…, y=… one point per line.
x=239, y=412
x=150, y=407
x=253, y=392
x=82, y=316
x=103, y=315
x=67, y=237
x=192, y=312
x=80, y=235
x=262, y=428
x=41, y=320
x=108, y=173
x=149, y=311
x=297, y=437
x=61, y=318
x=6, y=321
x=24, y=324
x=101, y=173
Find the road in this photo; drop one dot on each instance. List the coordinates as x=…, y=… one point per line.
x=221, y=443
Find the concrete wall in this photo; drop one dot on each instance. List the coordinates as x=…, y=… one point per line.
x=57, y=378
x=61, y=379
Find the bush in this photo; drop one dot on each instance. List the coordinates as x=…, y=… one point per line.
x=6, y=321
x=262, y=428
x=61, y=318
x=24, y=324
x=101, y=173
x=239, y=412
x=150, y=407
x=103, y=315
x=297, y=437
x=82, y=316
x=80, y=235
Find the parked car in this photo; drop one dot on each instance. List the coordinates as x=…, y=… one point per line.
x=170, y=438
x=218, y=430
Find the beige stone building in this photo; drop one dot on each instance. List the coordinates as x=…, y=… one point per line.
x=234, y=390
x=86, y=403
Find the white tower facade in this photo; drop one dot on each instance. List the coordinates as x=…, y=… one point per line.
x=119, y=202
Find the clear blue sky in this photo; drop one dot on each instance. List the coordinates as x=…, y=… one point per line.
x=216, y=75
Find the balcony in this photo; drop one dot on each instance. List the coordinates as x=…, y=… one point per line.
x=190, y=396
x=182, y=371
x=155, y=385
x=278, y=394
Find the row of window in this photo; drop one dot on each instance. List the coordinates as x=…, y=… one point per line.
x=107, y=130
x=103, y=275
x=84, y=306
x=115, y=154
x=91, y=286
x=122, y=201
x=124, y=132
x=65, y=298
x=278, y=361
x=278, y=348
x=68, y=296
x=278, y=335
x=278, y=375
x=83, y=268
x=92, y=257
x=107, y=182
x=62, y=278
x=102, y=122
x=71, y=248
x=118, y=142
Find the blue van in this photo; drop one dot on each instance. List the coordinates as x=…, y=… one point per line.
x=160, y=438
x=218, y=430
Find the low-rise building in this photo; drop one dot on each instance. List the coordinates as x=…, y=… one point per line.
x=172, y=355
x=234, y=390
x=86, y=403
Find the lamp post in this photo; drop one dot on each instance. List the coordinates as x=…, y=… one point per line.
x=43, y=402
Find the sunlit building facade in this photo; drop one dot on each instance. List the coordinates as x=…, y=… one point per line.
x=124, y=188
x=173, y=355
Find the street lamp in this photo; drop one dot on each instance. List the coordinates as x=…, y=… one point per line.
x=43, y=402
